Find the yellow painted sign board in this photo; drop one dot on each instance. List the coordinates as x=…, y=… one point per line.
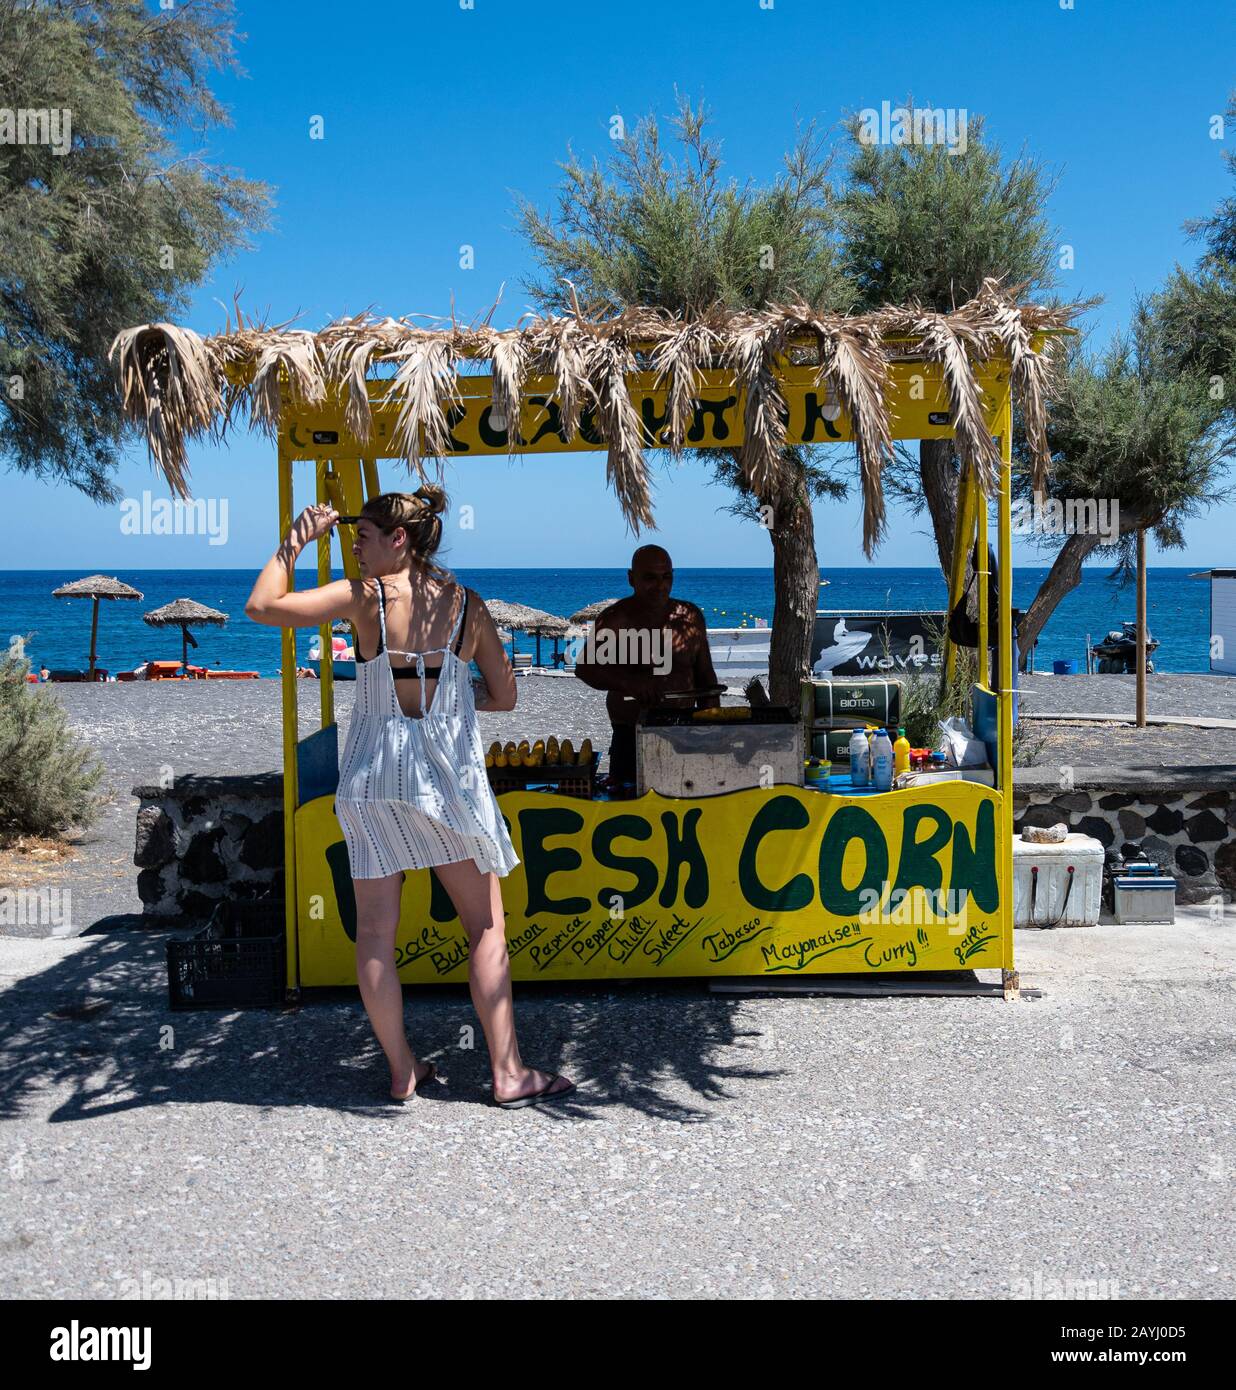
x=919, y=409
x=777, y=882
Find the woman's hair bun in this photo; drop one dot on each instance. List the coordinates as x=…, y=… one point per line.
x=433, y=496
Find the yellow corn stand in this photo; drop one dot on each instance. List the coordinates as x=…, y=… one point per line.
x=776, y=882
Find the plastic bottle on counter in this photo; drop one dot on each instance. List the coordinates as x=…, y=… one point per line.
x=901, y=753
x=860, y=768
x=882, y=761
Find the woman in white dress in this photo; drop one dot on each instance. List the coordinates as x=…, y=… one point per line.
x=413, y=791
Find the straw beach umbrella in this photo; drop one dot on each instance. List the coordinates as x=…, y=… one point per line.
x=593, y=610
x=549, y=626
x=520, y=617
x=516, y=616
x=185, y=613
x=96, y=586
x=512, y=616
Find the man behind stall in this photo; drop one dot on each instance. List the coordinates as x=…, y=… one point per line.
x=644, y=647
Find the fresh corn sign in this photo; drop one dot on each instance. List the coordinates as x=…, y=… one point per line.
x=778, y=882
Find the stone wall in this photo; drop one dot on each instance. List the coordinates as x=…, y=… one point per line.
x=205, y=838
x=212, y=837
x=1185, y=818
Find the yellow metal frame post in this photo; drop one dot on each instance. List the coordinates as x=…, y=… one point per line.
x=341, y=484
x=963, y=532
x=982, y=579
x=371, y=477
x=326, y=636
x=1004, y=724
x=290, y=731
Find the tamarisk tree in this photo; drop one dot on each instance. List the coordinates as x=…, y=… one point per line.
x=103, y=221
x=669, y=232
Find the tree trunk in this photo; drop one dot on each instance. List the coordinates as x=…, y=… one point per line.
x=1141, y=628
x=1063, y=577
x=796, y=586
x=938, y=472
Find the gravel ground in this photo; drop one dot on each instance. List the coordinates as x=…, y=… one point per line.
x=1212, y=697
x=718, y=1146
x=1151, y=749
x=1120, y=742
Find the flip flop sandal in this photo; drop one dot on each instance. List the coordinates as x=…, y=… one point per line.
x=547, y=1094
x=429, y=1076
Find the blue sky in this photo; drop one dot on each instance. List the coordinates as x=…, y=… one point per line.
x=435, y=114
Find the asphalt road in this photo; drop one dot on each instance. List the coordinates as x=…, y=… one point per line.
x=717, y=1147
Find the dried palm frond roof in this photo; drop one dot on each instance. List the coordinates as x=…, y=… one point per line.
x=178, y=386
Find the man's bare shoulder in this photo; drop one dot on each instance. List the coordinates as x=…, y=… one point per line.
x=615, y=613
x=690, y=614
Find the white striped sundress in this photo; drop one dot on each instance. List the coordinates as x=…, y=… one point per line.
x=413, y=790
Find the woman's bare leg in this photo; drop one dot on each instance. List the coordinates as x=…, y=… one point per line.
x=377, y=921
x=478, y=900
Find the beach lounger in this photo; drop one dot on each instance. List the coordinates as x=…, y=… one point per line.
x=230, y=675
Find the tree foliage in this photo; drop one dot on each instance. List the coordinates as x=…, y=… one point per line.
x=1126, y=427
x=117, y=230
x=918, y=223
x=1197, y=308
x=667, y=229
x=1132, y=431
x=655, y=228
x=48, y=777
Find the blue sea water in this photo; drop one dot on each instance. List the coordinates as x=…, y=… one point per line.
x=1178, y=609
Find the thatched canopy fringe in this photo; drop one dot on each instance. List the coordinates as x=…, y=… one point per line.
x=853, y=366
x=559, y=348
x=750, y=352
x=510, y=371
x=176, y=385
x=608, y=360
x=427, y=385
x=946, y=342
x=678, y=359
x=170, y=383
x=290, y=358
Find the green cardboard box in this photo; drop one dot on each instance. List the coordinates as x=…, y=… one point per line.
x=832, y=703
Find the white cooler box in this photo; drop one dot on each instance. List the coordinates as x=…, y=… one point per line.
x=1084, y=855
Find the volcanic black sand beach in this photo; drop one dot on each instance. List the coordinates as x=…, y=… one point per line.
x=227, y=727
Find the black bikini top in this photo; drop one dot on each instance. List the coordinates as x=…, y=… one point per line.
x=407, y=672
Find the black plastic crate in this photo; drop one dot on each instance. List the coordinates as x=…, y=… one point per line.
x=237, y=961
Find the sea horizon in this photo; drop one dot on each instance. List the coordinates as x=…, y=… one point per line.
x=729, y=596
